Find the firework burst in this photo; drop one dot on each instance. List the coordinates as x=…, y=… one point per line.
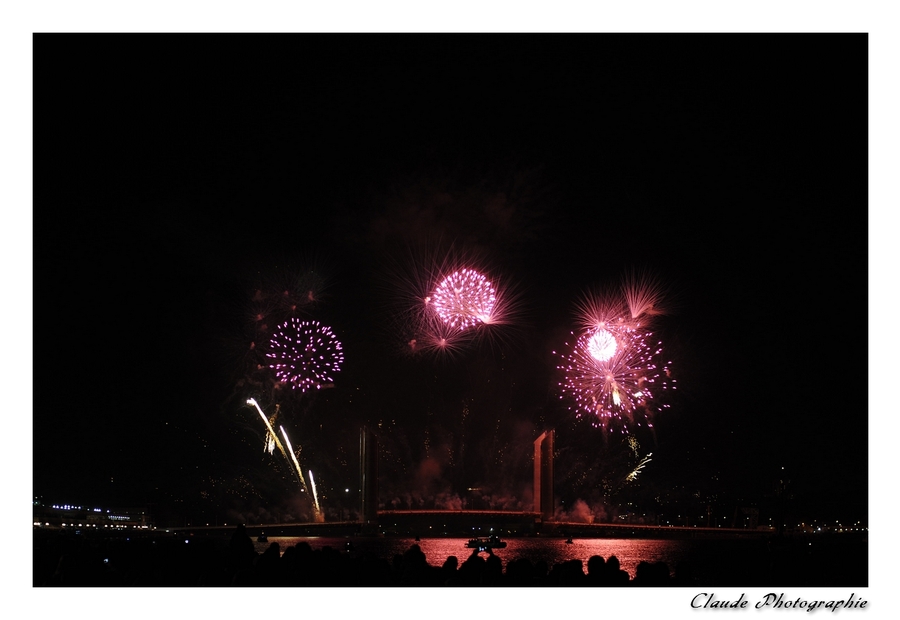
x=464, y=298
x=613, y=370
x=446, y=305
x=602, y=310
x=273, y=295
x=643, y=294
x=305, y=354
x=633, y=306
x=433, y=336
x=617, y=387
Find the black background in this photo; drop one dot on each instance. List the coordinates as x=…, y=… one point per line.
x=172, y=172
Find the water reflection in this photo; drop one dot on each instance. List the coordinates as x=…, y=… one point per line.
x=731, y=562
x=550, y=550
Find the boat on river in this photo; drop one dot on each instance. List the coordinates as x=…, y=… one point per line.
x=482, y=544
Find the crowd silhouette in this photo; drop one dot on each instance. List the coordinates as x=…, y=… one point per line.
x=64, y=558
x=67, y=560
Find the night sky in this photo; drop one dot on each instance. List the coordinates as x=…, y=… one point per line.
x=176, y=175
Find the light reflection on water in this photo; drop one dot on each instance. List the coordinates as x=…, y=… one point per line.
x=629, y=552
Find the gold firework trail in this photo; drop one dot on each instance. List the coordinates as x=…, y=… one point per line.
x=315, y=496
x=634, y=472
x=252, y=401
x=294, y=458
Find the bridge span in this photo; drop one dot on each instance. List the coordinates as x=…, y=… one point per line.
x=468, y=523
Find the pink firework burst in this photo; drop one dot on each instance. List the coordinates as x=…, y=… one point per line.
x=616, y=387
x=602, y=345
x=613, y=371
x=305, y=354
x=464, y=299
x=633, y=306
x=434, y=336
x=446, y=300
x=601, y=310
x=644, y=294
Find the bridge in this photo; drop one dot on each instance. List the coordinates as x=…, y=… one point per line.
x=469, y=523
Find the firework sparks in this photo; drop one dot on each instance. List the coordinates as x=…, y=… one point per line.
x=305, y=354
x=271, y=431
x=464, y=299
x=274, y=438
x=312, y=482
x=601, y=345
x=269, y=442
x=612, y=386
x=634, y=472
x=449, y=299
x=643, y=294
x=433, y=335
x=632, y=307
x=613, y=369
x=601, y=310
x=294, y=458
x=279, y=293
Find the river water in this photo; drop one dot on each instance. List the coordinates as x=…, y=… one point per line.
x=723, y=562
